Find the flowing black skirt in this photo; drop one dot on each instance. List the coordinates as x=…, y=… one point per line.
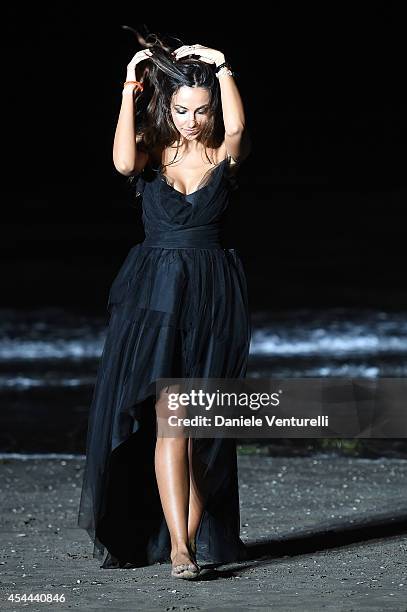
x=174, y=312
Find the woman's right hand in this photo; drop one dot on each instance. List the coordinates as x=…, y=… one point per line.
x=138, y=57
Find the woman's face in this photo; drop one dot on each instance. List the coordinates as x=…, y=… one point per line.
x=190, y=110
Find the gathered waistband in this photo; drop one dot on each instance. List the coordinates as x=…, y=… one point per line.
x=199, y=237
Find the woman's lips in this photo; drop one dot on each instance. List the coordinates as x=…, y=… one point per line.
x=191, y=131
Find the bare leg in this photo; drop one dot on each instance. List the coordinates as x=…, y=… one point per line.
x=196, y=497
x=172, y=472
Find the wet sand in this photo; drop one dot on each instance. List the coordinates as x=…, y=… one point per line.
x=324, y=533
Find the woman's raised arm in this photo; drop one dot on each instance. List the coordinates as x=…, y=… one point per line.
x=126, y=158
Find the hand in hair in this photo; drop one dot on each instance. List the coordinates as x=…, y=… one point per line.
x=136, y=59
x=210, y=56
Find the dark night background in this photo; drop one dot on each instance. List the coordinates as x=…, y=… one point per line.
x=319, y=216
x=318, y=219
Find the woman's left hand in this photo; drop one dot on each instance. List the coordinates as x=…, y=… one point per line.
x=211, y=56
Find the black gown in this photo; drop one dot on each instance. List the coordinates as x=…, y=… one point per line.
x=178, y=308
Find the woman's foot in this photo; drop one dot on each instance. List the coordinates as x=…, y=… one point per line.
x=184, y=565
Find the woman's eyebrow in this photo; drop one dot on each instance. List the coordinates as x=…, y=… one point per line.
x=186, y=108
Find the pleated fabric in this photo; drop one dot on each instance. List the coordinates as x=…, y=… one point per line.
x=178, y=308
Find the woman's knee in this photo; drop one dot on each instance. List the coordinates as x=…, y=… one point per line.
x=165, y=412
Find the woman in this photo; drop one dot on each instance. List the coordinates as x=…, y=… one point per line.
x=179, y=308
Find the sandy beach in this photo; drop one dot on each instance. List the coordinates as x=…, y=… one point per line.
x=323, y=533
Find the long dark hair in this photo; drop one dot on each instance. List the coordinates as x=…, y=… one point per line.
x=162, y=76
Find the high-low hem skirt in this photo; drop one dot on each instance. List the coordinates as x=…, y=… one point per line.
x=173, y=313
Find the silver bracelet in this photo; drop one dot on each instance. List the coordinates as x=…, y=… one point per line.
x=224, y=70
